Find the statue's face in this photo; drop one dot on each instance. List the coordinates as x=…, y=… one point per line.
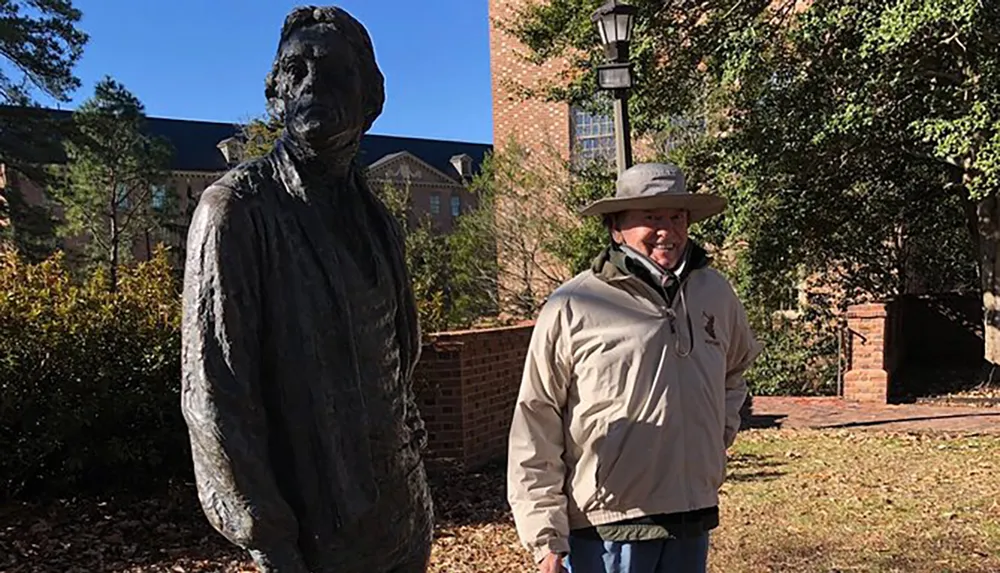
x=320, y=88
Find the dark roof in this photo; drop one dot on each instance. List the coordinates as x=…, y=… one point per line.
x=195, y=143
x=435, y=152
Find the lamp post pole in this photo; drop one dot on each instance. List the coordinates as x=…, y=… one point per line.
x=623, y=131
x=614, y=23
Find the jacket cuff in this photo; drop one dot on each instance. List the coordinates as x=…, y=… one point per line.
x=558, y=545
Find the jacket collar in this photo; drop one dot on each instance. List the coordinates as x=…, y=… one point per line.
x=614, y=263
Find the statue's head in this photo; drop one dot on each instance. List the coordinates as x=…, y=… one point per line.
x=325, y=85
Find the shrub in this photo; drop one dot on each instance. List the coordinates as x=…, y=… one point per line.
x=89, y=379
x=799, y=358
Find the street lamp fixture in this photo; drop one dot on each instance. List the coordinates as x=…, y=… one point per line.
x=614, y=76
x=615, y=21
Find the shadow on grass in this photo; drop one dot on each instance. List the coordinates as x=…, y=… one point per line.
x=743, y=468
x=763, y=422
x=781, y=553
x=866, y=423
x=464, y=498
x=792, y=553
x=167, y=531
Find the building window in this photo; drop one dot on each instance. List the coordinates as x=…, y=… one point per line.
x=456, y=205
x=158, y=198
x=593, y=136
x=435, y=203
x=122, y=200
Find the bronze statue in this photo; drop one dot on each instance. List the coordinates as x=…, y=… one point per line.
x=300, y=332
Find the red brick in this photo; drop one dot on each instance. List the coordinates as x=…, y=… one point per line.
x=467, y=408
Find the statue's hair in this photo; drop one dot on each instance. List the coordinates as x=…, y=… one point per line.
x=359, y=40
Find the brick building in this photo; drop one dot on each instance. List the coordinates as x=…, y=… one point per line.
x=434, y=170
x=540, y=126
x=551, y=130
x=548, y=132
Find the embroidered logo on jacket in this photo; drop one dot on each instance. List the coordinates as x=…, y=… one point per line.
x=710, y=325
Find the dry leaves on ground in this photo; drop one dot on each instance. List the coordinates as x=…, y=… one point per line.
x=795, y=501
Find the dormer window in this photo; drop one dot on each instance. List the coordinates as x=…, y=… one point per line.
x=463, y=165
x=232, y=150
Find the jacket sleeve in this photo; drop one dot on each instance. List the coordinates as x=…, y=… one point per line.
x=536, y=471
x=743, y=349
x=221, y=385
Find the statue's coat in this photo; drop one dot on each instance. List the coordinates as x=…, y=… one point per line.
x=299, y=338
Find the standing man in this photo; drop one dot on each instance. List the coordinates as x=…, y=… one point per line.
x=631, y=393
x=300, y=332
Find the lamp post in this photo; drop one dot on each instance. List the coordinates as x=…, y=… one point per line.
x=614, y=23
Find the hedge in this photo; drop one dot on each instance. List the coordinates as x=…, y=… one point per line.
x=89, y=379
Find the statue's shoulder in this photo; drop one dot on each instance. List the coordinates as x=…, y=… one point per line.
x=247, y=179
x=238, y=193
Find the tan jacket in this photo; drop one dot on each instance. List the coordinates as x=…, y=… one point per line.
x=618, y=416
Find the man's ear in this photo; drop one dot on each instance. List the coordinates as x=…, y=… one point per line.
x=616, y=235
x=610, y=223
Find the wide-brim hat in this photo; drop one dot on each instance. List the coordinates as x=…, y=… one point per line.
x=656, y=186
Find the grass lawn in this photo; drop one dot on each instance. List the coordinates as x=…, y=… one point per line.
x=795, y=501
x=835, y=501
x=841, y=501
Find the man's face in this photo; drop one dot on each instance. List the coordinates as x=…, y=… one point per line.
x=320, y=86
x=660, y=234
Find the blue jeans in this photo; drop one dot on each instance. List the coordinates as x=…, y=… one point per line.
x=687, y=555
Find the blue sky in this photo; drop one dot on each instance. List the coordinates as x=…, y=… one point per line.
x=206, y=59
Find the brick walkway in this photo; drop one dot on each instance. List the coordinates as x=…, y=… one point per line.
x=790, y=412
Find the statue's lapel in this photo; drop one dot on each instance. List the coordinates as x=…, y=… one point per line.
x=315, y=231
x=357, y=474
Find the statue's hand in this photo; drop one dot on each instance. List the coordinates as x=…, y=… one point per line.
x=285, y=560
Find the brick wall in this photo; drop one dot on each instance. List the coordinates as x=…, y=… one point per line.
x=535, y=123
x=911, y=346
x=867, y=378
x=466, y=384
x=541, y=128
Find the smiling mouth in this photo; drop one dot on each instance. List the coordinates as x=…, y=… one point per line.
x=668, y=247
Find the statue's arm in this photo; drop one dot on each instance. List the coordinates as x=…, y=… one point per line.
x=221, y=385
x=414, y=420
x=410, y=323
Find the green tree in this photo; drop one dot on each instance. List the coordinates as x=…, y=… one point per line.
x=113, y=191
x=442, y=266
x=519, y=209
x=258, y=136
x=426, y=256
x=89, y=379
x=857, y=140
x=41, y=45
